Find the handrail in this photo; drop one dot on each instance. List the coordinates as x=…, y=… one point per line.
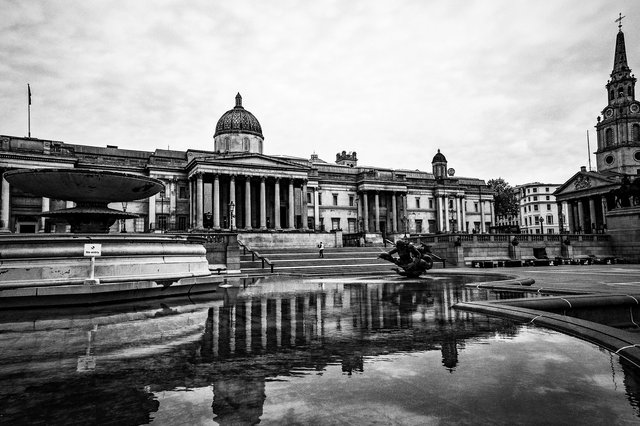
x=254, y=254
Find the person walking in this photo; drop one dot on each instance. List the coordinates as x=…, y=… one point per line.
x=321, y=247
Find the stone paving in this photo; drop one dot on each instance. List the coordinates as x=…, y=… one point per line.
x=592, y=278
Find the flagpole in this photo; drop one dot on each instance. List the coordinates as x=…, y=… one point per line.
x=29, y=110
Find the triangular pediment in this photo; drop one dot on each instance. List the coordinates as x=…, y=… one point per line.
x=249, y=160
x=584, y=181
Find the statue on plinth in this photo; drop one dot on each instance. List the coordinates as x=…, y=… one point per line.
x=412, y=261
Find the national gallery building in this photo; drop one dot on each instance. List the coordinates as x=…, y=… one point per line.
x=235, y=187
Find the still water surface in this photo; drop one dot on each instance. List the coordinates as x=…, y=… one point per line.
x=281, y=351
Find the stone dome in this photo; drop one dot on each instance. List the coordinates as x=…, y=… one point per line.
x=238, y=120
x=439, y=158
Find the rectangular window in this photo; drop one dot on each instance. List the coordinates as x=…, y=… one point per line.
x=418, y=226
x=351, y=200
x=351, y=224
x=548, y=206
x=535, y=198
x=546, y=189
x=309, y=198
x=183, y=192
x=431, y=203
x=535, y=189
x=319, y=199
x=475, y=206
x=535, y=207
x=335, y=199
x=417, y=202
x=335, y=223
x=548, y=198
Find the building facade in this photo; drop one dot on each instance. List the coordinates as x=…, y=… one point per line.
x=538, y=208
x=588, y=196
x=236, y=187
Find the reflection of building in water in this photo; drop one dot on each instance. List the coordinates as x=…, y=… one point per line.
x=449, y=354
x=239, y=400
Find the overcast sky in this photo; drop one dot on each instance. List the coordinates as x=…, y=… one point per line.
x=504, y=88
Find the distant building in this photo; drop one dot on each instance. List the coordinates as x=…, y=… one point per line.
x=237, y=187
x=538, y=208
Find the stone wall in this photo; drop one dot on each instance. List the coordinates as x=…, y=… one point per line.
x=267, y=240
x=624, y=227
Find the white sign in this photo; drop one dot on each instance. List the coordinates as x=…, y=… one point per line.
x=93, y=250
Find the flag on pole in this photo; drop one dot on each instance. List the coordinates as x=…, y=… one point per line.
x=29, y=92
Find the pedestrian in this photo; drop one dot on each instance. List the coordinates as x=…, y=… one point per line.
x=321, y=247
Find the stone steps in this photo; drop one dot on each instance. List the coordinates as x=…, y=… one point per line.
x=336, y=261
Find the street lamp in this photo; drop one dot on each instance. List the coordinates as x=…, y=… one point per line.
x=232, y=207
x=542, y=225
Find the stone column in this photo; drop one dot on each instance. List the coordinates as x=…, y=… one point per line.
x=459, y=213
x=199, y=201
x=561, y=221
x=45, y=208
x=6, y=197
x=377, y=211
x=365, y=213
x=152, y=211
x=172, y=202
x=439, y=215
x=304, y=205
x=316, y=208
x=570, y=218
x=232, y=199
x=291, y=224
x=491, y=213
x=581, y=216
x=216, y=201
x=603, y=206
x=445, y=201
x=482, y=227
x=247, y=202
x=276, y=209
x=263, y=203
x=190, y=187
x=394, y=213
x=592, y=215
x=463, y=214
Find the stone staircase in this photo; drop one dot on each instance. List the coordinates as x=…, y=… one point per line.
x=336, y=261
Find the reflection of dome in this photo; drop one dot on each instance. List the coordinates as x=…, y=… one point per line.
x=238, y=120
x=439, y=158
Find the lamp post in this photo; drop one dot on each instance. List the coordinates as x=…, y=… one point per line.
x=541, y=225
x=232, y=207
x=124, y=221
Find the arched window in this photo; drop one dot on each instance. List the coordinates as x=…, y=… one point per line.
x=611, y=95
x=245, y=143
x=608, y=137
x=620, y=92
x=549, y=220
x=629, y=91
x=635, y=133
x=225, y=145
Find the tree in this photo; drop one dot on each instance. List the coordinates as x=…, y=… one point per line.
x=505, y=198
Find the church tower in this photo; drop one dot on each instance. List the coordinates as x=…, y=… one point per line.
x=619, y=129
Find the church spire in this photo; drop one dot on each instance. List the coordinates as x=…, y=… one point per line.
x=620, y=67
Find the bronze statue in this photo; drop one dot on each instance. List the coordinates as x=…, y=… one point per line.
x=413, y=260
x=628, y=194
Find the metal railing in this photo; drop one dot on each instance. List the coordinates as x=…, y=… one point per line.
x=254, y=254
